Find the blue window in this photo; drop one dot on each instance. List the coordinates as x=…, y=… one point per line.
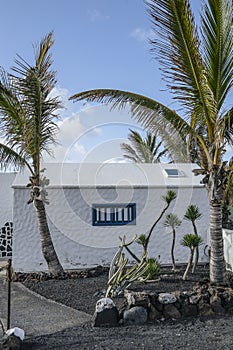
x=113, y=214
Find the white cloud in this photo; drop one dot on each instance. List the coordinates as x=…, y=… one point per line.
x=70, y=129
x=96, y=15
x=80, y=149
x=64, y=97
x=90, y=133
x=141, y=34
x=97, y=131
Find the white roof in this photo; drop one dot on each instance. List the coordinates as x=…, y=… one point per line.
x=116, y=174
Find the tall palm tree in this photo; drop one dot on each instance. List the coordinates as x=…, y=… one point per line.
x=27, y=119
x=172, y=221
x=140, y=150
x=199, y=72
x=193, y=214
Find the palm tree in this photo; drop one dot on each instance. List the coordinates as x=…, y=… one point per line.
x=200, y=74
x=172, y=221
x=27, y=118
x=143, y=150
x=192, y=214
x=192, y=242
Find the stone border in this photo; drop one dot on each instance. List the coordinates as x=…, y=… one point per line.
x=204, y=300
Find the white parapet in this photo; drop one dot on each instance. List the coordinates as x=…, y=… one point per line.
x=228, y=248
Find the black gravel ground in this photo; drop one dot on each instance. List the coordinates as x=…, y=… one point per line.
x=196, y=334
x=82, y=293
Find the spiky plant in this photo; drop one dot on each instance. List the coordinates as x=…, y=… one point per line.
x=193, y=214
x=191, y=241
x=169, y=197
x=142, y=240
x=153, y=269
x=172, y=221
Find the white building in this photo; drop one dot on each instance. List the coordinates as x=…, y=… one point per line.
x=91, y=205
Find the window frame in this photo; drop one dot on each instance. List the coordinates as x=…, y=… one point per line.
x=112, y=213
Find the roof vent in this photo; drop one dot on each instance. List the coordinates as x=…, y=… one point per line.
x=173, y=172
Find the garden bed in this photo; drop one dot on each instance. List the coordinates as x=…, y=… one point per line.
x=82, y=293
x=81, y=289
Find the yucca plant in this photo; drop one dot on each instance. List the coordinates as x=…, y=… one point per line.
x=173, y=221
x=199, y=72
x=153, y=269
x=28, y=115
x=191, y=241
x=144, y=238
x=193, y=214
x=169, y=197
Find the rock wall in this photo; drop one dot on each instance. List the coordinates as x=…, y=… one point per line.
x=6, y=215
x=6, y=236
x=204, y=300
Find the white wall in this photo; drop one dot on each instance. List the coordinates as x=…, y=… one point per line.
x=228, y=248
x=6, y=214
x=6, y=195
x=79, y=244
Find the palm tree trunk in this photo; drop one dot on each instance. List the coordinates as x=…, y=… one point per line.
x=195, y=259
x=196, y=249
x=172, y=251
x=189, y=264
x=48, y=250
x=217, y=265
x=153, y=226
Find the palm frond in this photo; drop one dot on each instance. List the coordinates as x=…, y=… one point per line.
x=176, y=146
x=12, y=118
x=28, y=108
x=191, y=241
x=152, y=115
x=226, y=127
x=192, y=213
x=217, y=37
x=130, y=153
x=169, y=197
x=178, y=51
x=172, y=221
x=141, y=150
x=143, y=109
x=10, y=158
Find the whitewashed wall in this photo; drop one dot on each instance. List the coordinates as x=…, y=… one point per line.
x=79, y=244
x=6, y=214
x=228, y=248
x=6, y=195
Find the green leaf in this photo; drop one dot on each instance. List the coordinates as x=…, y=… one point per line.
x=191, y=241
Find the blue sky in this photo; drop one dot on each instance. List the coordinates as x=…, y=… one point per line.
x=98, y=44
